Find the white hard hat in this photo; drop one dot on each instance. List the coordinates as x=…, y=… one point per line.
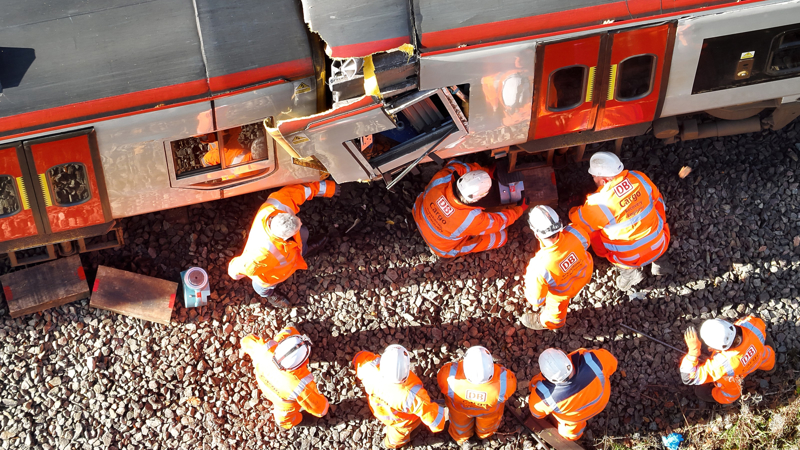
x=544, y=221
x=395, y=364
x=718, y=334
x=555, y=365
x=284, y=225
x=474, y=185
x=292, y=352
x=478, y=365
x=605, y=164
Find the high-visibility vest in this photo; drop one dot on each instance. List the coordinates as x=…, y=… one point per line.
x=562, y=269
x=449, y=226
x=396, y=403
x=475, y=399
x=583, y=396
x=736, y=362
x=629, y=214
x=283, y=386
x=271, y=258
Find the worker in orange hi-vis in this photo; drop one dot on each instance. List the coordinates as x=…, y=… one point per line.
x=572, y=388
x=558, y=271
x=625, y=219
x=449, y=223
x=476, y=390
x=278, y=243
x=281, y=368
x=396, y=395
x=739, y=349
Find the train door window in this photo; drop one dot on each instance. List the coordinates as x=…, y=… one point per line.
x=785, y=53
x=566, y=88
x=635, y=77
x=9, y=199
x=69, y=183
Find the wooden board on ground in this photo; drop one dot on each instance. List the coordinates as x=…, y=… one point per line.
x=549, y=433
x=44, y=286
x=134, y=295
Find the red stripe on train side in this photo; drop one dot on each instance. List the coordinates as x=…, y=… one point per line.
x=368, y=48
x=290, y=69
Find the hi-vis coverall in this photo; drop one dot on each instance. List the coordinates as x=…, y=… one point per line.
x=290, y=391
x=399, y=406
x=727, y=368
x=626, y=220
x=475, y=406
x=578, y=399
x=452, y=228
x=267, y=259
x=557, y=273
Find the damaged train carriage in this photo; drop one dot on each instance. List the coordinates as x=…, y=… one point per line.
x=112, y=112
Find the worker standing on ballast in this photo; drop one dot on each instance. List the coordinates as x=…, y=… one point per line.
x=573, y=388
x=281, y=368
x=558, y=271
x=739, y=349
x=476, y=390
x=278, y=242
x=449, y=223
x=625, y=219
x=396, y=395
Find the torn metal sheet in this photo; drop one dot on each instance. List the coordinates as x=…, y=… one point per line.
x=395, y=72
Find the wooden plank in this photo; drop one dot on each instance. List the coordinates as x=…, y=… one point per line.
x=44, y=286
x=134, y=295
x=549, y=433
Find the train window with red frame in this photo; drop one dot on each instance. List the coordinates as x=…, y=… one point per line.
x=785, y=53
x=635, y=77
x=9, y=198
x=69, y=183
x=566, y=88
x=200, y=154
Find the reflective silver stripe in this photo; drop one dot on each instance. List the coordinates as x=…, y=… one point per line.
x=755, y=331
x=598, y=372
x=409, y=402
x=548, y=278
x=323, y=188
x=450, y=380
x=728, y=368
x=279, y=205
x=578, y=235
x=607, y=213
x=276, y=253
x=300, y=387
x=307, y=192
x=466, y=223
x=548, y=397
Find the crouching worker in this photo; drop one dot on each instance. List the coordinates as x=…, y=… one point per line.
x=558, y=271
x=281, y=368
x=278, y=241
x=449, y=223
x=739, y=349
x=573, y=388
x=396, y=395
x=476, y=390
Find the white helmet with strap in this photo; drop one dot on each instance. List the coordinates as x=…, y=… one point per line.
x=555, y=365
x=291, y=352
x=395, y=364
x=478, y=365
x=718, y=334
x=474, y=185
x=544, y=221
x=605, y=164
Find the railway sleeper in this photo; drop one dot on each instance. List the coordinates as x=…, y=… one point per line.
x=80, y=241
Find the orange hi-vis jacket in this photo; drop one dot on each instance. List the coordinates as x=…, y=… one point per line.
x=561, y=269
x=628, y=216
x=583, y=396
x=288, y=390
x=396, y=404
x=452, y=228
x=476, y=399
x=270, y=258
x=726, y=368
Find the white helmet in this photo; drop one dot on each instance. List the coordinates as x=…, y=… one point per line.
x=284, y=225
x=555, y=365
x=544, y=221
x=474, y=185
x=718, y=334
x=605, y=164
x=478, y=365
x=292, y=352
x=395, y=364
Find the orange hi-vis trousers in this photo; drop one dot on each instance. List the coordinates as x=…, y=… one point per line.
x=463, y=426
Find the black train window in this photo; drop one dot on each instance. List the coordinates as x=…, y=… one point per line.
x=69, y=183
x=635, y=79
x=566, y=88
x=9, y=200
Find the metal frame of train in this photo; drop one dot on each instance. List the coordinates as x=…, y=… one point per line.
x=114, y=110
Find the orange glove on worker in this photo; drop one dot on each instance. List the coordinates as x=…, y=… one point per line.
x=692, y=341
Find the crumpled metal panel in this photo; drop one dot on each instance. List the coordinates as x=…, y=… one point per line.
x=500, y=96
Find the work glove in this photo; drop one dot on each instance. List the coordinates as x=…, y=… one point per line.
x=337, y=192
x=692, y=341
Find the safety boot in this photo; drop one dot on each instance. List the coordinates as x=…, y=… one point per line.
x=629, y=278
x=314, y=245
x=531, y=320
x=277, y=300
x=466, y=445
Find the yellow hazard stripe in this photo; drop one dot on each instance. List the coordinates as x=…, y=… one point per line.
x=370, y=80
x=590, y=84
x=43, y=182
x=23, y=194
x=612, y=83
